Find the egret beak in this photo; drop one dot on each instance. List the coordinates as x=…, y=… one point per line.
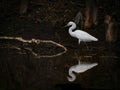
x=66, y=25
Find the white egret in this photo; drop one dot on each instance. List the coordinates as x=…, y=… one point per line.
x=79, y=68
x=79, y=34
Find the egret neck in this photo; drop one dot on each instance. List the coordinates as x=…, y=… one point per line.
x=72, y=28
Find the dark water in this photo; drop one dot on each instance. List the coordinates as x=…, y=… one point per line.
x=19, y=69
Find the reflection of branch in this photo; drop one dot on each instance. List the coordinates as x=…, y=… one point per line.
x=15, y=47
x=92, y=55
x=109, y=57
x=37, y=41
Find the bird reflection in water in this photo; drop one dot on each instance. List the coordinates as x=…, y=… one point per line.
x=79, y=68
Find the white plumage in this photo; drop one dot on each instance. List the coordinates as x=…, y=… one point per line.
x=79, y=68
x=79, y=34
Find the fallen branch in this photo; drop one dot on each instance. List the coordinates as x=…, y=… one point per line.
x=36, y=41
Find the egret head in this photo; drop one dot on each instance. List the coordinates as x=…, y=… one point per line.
x=70, y=23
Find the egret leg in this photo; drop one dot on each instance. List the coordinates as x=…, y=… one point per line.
x=86, y=45
x=79, y=41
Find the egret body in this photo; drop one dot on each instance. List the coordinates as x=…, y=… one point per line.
x=79, y=34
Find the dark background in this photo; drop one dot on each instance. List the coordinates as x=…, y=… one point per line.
x=45, y=20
